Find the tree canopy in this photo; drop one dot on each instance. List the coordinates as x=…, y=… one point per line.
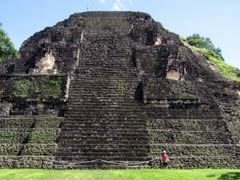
x=205, y=43
x=6, y=46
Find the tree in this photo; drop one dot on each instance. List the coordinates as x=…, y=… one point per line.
x=6, y=46
x=204, y=43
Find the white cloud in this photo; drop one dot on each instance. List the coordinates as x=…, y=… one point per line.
x=103, y=1
x=118, y=5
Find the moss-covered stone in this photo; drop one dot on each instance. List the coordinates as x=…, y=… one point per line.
x=184, y=96
x=48, y=122
x=22, y=88
x=10, y=149
x=38, y=87
x=39, y=149
x=13, y=135
x=44, y=136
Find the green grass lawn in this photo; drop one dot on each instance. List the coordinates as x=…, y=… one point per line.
x=155, y=174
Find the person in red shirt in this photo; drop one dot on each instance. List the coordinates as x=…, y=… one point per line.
x=165, y=158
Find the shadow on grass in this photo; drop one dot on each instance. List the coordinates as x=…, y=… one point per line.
x=230, y=176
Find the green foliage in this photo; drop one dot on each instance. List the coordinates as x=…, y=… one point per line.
x=44, y=136
x=6, y=46
x=48, y=123
x=204, y=43
x=53, y=88
x=22, y=88
x=225, y=69
x=12, y=136
x=38, y=88
x=136, y=174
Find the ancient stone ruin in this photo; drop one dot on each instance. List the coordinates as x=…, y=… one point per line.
x=113, y=90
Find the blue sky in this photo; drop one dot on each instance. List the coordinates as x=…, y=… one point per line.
x=217, y=19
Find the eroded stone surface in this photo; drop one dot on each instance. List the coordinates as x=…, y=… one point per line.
x=173, y=75
x=238, y=92
x=46, y=64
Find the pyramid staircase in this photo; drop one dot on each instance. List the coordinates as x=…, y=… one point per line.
x=103, y=119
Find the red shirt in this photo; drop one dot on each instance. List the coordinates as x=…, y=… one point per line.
x=165, y=157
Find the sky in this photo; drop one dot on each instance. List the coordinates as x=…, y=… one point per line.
x=216, y=19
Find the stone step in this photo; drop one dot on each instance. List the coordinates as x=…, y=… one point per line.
x=101, y=66
x=85, y=89
x=94, y=114
x=104, y=86
x=106, y=109
x=113, y=125
x=96, y=82
x=104, y=129
x=193, y=149
x=188, y=137
x=112, y=78
x=106, y=137
x=81, y=122
x=113, y=110
x=81, y=125
x=26, y=129
x=101, y=140
x=122, y=62
x=100, y=94
x=27, y=149
x=104, y=134
x=22, y=123
x=111, y=116
x=94, y=99
x=204, y=161
x=107, y=154
x=26, y=162
x=187, y=124
x=109, y=158
x=182, y=113
x=103, y=118
x=89, y=145
x=91, y=99
x=98, y=89
x=30, y=117
x=113, y=53
x=131, y=118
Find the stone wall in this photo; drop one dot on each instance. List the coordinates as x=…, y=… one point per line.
x=27, y=141
x=32, y=94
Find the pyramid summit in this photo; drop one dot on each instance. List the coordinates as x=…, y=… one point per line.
x=113, y=90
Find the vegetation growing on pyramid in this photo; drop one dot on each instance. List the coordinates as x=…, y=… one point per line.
x=206, y=47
